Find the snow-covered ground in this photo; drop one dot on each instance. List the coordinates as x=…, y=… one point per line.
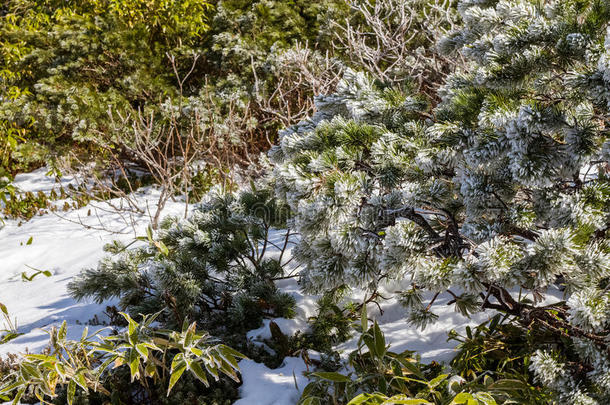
x=61, y=244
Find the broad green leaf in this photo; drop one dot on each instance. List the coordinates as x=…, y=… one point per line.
x=30, y=369
x=212, y=369
x=508, y=384
x=134, y=363
x=175, y=376
x=232, y=352
x=177, y=361
x=190, y=332
x=199, y=373
x=162, y=248
x=370, y=344
x=196, y=351
x=435, y=382
x=151, y=318
x=228, y=357
x=151, y=369
x=79, y=378
x=311, y=401
x=461, y=398
x=142, y=349
x=331, y=376
x=485, y=397
x=105, y=365
x=411, y=368
x=10, y=387
x=379, y=341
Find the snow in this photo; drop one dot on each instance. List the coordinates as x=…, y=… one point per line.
x=431, y=344
x=263, y=386
x=62, y=245
x=38, y=180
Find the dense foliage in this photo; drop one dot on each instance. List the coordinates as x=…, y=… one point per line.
x=64, y=64
x=496, y=197
x=66, y=67
x=213, y=268
x=469, y=160
x=154, y=358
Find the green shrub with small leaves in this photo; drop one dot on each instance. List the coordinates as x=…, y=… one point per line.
x=380, y=376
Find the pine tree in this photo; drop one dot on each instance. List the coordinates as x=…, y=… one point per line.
x=498, y=196
x=216, y=267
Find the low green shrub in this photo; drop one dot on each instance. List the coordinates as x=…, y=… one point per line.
x=502, y=348
x=380, y=376
x=153, y=357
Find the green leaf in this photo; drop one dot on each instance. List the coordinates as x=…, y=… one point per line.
x=3, y=308
x=30, y=369
x=401, y=399
x=230, y=351
x=331, y=376
x=309, y=389
x=411, y=367
x=29, y=242
x=175, y=376
x=80, y=380
x=196, y=351
x=311, y=401
x=364, y=399
x=379, y=341
x=508, y=384
x=10, y=387
x=461, y=398
x=485, y=397
x=149, y=233
x=151, y=318
x=228, y=356
x=63, y=330
x=151, y=369
x=142, y=349
x=9, y=336
x=19, y=395
x=370, y=344
x=177, y=361
x=134, y=363
x=162, y=248
x=133, y=325
x=199, y=373
x=435, y=382
x=105, y=365
x=364, y=321
x=190, y=333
